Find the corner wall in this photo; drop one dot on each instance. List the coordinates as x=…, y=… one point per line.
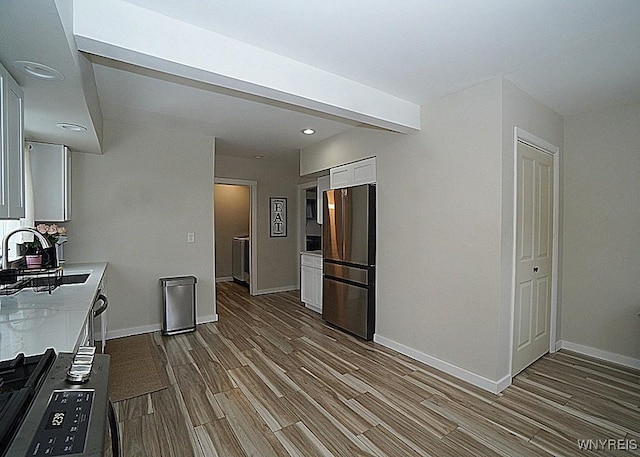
x=133, y=207
x=439, y=230
x=601, y=270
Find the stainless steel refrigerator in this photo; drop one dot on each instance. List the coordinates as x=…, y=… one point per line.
x=349, y=259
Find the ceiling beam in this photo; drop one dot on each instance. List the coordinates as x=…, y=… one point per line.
x=125, y=32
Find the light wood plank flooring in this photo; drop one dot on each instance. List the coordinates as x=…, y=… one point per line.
x=271, y=379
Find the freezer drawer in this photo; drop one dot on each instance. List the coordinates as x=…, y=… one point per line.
x=349, y=307
x=358, y=274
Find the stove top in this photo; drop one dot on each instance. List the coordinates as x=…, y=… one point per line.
x=20, y=380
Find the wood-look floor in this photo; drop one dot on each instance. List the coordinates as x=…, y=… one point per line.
x=271, y=379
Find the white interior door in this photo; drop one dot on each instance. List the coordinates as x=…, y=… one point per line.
x=534, y=252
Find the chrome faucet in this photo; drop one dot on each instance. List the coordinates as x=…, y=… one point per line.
x=5, y=243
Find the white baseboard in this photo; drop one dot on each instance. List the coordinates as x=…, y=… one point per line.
x=225, y=279
x=205, y=319
x=121, y=333
x=599, y=354
x=275, y=290
x=460, y=373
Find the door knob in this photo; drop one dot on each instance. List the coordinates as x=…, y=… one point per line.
x=535, y=269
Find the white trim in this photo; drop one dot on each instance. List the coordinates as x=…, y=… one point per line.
x=234, y=181
x=253, y=232
x=112, y=334
x=523, y=136
x=600, y=354
x=460, y=373
x=225, y=279
x=275, y=290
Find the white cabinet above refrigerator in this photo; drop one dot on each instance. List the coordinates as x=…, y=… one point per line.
x=353, y=174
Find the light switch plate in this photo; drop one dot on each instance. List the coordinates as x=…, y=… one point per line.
x=191, y=237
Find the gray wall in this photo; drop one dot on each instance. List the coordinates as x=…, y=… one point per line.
x=445, y=197
x=601, y=271
x=439, y=231
x=133, y=207
x=231, y=209
x=277, y=257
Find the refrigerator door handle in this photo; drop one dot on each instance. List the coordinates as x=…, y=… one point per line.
x=343, y=229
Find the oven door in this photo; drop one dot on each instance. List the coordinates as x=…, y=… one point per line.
x=112, y=440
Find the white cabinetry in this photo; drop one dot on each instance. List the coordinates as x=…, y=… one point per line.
x=51, y=171
x=353, y=174
x=311, y=281
x=11, y=147
x=95, y=326
x=323, y=185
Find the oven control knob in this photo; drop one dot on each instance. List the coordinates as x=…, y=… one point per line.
x=86, y=350
x=79, y=374
x=80, y=370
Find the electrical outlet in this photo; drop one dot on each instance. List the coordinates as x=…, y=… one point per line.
x=191, y=237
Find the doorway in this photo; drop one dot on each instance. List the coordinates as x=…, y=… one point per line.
x=535, y=254
x=234, y=232
x=309, y=231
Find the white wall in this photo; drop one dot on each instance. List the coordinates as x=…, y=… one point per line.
x=277, y=257
x=439, y=232
x=601, y=271
x=133, y=207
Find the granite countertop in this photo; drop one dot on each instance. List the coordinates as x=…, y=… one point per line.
x=31, y=322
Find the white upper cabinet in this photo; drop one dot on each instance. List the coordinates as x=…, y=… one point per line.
x=51, y=172
x=353, y=174
x=323, y=185
x=11, y=146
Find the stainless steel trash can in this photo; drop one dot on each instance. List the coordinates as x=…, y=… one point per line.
x=179, y=297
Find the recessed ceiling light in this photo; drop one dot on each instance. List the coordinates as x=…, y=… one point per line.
x=72, y=127
x=38, y=70
x=308, y=131
x=258, y=157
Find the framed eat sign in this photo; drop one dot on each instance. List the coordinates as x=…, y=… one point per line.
x=278, y=215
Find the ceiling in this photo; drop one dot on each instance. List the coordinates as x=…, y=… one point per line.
x=572, y=55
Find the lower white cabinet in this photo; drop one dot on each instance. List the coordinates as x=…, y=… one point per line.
x=311, y=281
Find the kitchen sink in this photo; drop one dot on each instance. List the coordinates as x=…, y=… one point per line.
x=79, y=278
